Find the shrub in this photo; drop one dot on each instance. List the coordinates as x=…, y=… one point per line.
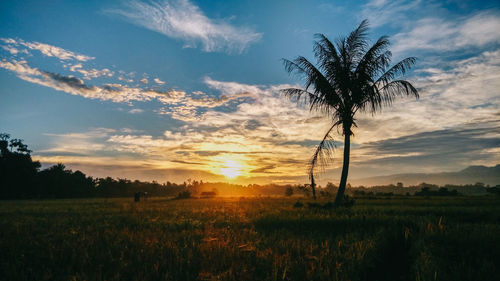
x=184, y=195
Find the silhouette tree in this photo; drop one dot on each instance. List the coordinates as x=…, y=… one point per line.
x=351, y=76
x=17, y=170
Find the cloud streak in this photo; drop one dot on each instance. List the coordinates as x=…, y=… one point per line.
x=45, y=49
x=380, y=12
x=180, y=105
x=449, y=149
x=88, y=74
x=183, y=20
x=439, y=34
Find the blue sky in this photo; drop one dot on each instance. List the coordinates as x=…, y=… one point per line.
x=170, y=90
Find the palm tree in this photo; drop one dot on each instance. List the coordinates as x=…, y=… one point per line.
x=350, y=76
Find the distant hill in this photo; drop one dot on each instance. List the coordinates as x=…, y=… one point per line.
x=469, y=175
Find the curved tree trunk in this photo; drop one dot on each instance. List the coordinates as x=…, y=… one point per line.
x=313, y=186
x=345, y=168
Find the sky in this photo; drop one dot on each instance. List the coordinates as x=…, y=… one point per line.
x=182, y=89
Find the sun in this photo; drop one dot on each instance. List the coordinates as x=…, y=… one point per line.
x=231, y=169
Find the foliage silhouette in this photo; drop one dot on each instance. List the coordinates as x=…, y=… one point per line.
x=350, y=76
x=17, y=170
x=20, y=178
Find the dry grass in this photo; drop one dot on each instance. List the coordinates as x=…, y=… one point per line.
x=250, y=239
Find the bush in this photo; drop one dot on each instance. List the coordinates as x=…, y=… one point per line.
x=184, y=195
x=348, y=201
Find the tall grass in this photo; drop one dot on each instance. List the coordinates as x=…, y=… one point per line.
x=250, y=239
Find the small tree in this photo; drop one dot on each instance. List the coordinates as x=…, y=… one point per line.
x=18, y=172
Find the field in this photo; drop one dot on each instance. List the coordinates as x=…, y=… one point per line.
x=405, y=238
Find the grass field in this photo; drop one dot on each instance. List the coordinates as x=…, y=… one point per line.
x=250, y=239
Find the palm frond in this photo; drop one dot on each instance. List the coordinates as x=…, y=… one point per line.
x=295, y=93
x=324, y=151
x=383, y=91
x=399, y=68
x=376, y=59
x=327, y=55
x=397, y=88
x=306, y=69
x=356, y=42
x=324, y=48
x=325, y=97
x=299, y=95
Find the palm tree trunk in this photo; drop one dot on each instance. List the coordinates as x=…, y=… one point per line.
x=313, y=186
x=345, y=168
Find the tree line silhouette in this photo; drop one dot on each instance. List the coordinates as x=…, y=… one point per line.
x=22, y=178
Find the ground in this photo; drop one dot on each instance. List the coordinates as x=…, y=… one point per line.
x=404, y=238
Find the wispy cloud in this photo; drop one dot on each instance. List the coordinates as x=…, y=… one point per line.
x=183, y=20
x=440, y=34
x=76, y=86
x=430, y=27
x=381, y=12
x=181, y=105
x=449, y=149
x=88, y=74
x=135, y=111
x=460, y=92
x=158, y=81
x=45, y=49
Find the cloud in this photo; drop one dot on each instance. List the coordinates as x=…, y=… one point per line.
x=448, y=149
x=11, y=50
x=431, y=27
x=20, y=67
x=179, y=104
x=47, y=50
x=183, y=20
x=264, y=170
x=158, y=81
x=85, y=144
x=88, y=74
x=13, y=47
x=76, y=86
x=136, y=111
x=380, y=12
x=274, y=136
x=128, y=80
x=460, y=92
x=444, y=34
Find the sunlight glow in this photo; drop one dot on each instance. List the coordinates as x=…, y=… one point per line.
x=231, y=169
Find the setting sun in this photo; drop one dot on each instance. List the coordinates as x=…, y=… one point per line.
x=231, y=169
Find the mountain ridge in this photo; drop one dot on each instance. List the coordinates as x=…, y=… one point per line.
x=469, y=175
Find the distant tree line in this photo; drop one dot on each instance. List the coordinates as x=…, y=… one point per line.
x=22, y=178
